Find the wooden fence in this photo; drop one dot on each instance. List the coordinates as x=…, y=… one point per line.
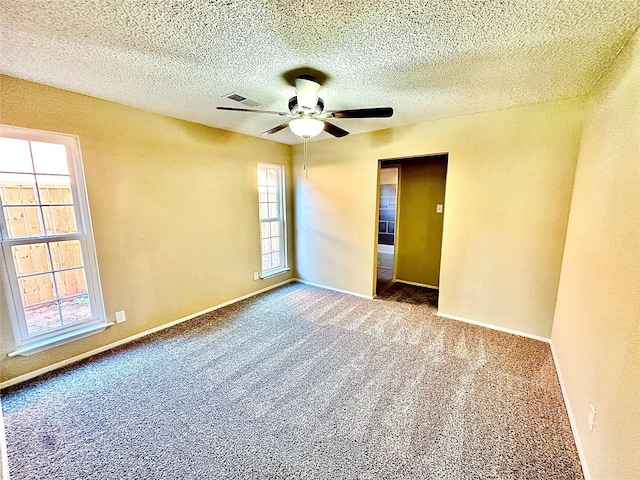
x=23, y=214
x=36, y=277
x=41, y=267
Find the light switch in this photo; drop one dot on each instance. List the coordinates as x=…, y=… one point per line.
x=439, y=208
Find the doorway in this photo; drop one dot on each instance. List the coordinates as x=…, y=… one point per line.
x=387, y=210
x=411, y=253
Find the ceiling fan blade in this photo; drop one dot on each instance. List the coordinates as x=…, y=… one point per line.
x=253, y=110
x=276, y=129
x=382, y=112
x=334, y=130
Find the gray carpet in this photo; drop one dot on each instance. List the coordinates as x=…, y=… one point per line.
x=402, y=292
x=300, y=382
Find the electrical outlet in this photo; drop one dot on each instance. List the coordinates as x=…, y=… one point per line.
x=592, y=417
x=120, y=316
x=256, y=276
x=439, y=208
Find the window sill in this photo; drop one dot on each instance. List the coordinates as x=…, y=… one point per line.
x=273, y=273
x=61, y=339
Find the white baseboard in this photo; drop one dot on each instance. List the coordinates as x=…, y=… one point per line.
x=368, y=297
x=572, y=418
x=77, y=358
x=433, y=287
x=14, y=381
x=493, y=327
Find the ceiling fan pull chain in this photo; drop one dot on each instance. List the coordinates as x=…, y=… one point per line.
x=306, y=172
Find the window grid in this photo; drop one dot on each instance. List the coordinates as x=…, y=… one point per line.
x=45, y=246
x=44, y=290
x=52, y=218
x=271, y=211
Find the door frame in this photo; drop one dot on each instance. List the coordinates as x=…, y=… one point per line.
x=395, y=241
x=397, y=162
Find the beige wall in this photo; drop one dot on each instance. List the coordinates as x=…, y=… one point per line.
x=419, y=239
x=174, y=209
x=596, y=331
x=329, y=211
x=509, y=182
x=165, y=251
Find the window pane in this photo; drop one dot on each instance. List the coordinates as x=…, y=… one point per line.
x=10, y=195
x=264, y=211
x=30, y=259
x=28, y=195
x=45, y=197
x=75, y=310
x=50, y=158
x=71, y=282
x=42, y=318
x=273, y=210
x=266, y=246
x=66, y=195
x=55, y=194
x=19, y=194
x=66, y=254
x=266, y=262
x=264, y=230
x=23, y=221
x=262, y=176
x=262, y=194
x=17, y=189
x=36, y=289
x=272, y=177
x=49, y=195
x=55, y=184
x=15, y=155
x=59, y=220
x=60, y=194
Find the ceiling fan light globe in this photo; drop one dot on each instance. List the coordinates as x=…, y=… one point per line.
x=306, y=127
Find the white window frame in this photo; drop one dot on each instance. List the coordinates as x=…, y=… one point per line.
x=27, y=344
x=281, y=218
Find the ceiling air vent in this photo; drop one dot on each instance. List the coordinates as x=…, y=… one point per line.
x=236, y=97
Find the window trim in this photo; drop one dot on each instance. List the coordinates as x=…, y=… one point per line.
x=25, y=343
x=282, y=208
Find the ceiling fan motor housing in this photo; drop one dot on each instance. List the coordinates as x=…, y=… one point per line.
x=295, y=109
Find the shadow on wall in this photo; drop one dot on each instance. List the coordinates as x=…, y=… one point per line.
x=388, y=136
x=332, y=256
x=202, y=133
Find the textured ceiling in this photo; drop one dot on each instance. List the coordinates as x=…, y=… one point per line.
x=426, y=59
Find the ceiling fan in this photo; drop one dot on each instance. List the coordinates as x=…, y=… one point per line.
x=307, y=115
